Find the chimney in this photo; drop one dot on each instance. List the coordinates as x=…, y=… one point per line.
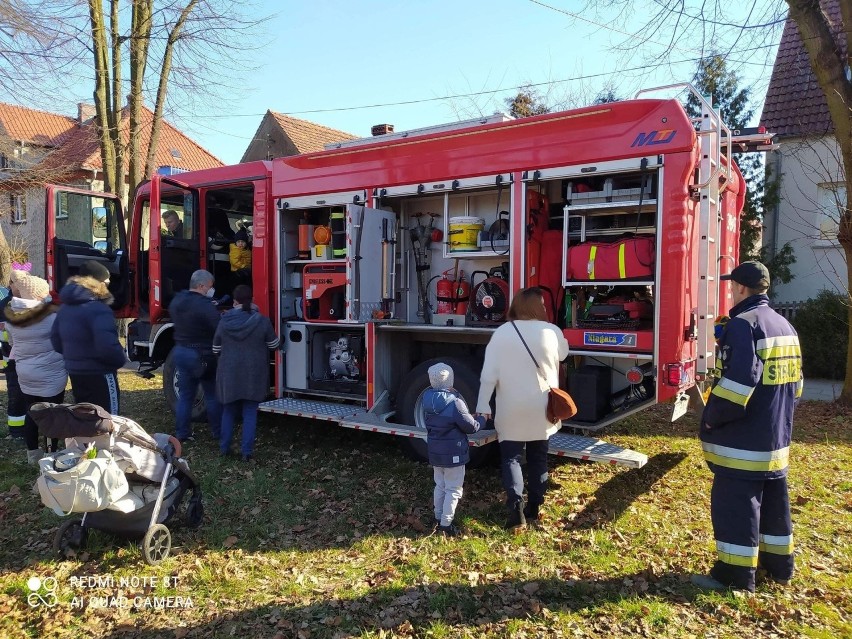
x=382, y=129
x=85, y=112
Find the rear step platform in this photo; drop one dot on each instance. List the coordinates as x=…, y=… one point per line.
x=311, y=408
x=348, y=416
x=591, y=449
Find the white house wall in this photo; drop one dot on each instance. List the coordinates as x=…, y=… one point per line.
x=28, y=237
x=820, y=263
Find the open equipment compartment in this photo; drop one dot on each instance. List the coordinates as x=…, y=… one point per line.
x=597, y=270
x=444, y=240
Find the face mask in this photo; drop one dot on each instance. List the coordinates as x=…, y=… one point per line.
x=210, y=292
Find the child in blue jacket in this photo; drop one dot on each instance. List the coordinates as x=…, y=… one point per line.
x=447, y=422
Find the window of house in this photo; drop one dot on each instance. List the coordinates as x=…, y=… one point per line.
x=62, y=208
x=4, y=161
x=18, y=208
x=831, y=202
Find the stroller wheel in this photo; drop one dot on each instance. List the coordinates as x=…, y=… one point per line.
x=156, y=544
x=70, y=537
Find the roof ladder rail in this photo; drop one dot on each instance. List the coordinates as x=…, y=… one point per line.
x=716, y=166
x=710, y=136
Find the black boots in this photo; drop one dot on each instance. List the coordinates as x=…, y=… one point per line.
x=531, y=514
x=516, y=520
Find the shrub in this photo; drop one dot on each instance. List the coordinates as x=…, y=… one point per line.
x=823, y=326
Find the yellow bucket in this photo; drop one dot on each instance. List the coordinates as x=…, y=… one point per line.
x=464, y=233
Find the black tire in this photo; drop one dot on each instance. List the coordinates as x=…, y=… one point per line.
x=71, y=536
x=156, y=544
x=410, y=410
x=170, y=390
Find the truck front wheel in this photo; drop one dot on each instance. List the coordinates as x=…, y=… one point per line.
x=170, y=390
x=411, y=406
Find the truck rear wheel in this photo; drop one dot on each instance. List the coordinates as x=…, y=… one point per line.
x=170, y=390
x=410, y=406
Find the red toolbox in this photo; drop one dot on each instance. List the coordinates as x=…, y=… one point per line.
x=631, y=258
x=324, y=286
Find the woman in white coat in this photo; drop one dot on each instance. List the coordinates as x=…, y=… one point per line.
x=41, y=372
x=521, y=402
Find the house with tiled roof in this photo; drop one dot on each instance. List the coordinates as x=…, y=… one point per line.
x=49, y=147
x=281, y=135
x=807, y=162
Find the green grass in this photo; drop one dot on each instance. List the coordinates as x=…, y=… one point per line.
x=326, y=535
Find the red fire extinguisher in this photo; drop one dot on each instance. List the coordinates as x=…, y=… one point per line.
x=453, y=294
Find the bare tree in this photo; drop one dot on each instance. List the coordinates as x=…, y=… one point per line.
x=662, y=28
x=179, y=55
x=179, y=40
x=35, y=48
x=31, y=47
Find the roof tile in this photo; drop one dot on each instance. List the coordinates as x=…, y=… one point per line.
x=308, y=136
x=34, y=127
x=78, y=147
x=795, y=104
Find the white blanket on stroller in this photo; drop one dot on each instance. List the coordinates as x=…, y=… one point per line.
x=131, y=458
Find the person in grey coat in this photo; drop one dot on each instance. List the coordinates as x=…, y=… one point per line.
x=29, y=318
x=242, y=342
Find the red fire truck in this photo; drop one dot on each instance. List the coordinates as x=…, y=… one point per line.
x=378, y=257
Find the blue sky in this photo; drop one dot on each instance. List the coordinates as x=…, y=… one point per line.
x=328, y=60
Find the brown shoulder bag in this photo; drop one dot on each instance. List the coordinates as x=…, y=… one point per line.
x=559, y=403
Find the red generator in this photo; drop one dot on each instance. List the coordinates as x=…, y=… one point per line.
x=325, y=292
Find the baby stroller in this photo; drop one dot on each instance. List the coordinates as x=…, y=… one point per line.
x=123, y=480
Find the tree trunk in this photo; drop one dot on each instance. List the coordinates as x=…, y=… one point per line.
x=829, y=67
x=846, y=393
x=162, y=87
x=139, y=41
x=117, y=100
x=102, y=96
x=5, y=260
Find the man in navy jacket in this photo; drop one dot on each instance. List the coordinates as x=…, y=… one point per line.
x=84, y=333
x=745, y=434
x=195, y=318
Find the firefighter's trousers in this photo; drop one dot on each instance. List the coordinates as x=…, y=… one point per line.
x=752, y=527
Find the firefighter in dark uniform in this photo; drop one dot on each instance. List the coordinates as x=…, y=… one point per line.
x=745, y=435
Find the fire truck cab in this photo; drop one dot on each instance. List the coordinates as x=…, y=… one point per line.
x=378, y=257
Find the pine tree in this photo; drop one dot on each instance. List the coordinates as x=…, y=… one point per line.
x=526, y=103
x=715, y=80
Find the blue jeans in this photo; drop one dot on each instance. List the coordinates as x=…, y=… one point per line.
x=230, y=415
x=513, y=478
x=188, y=365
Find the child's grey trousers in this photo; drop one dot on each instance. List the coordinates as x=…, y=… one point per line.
x=448, y=492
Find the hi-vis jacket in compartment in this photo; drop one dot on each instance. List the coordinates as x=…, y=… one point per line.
x=750, y=409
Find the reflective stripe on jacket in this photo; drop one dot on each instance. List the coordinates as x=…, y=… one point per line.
x=748, y=421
